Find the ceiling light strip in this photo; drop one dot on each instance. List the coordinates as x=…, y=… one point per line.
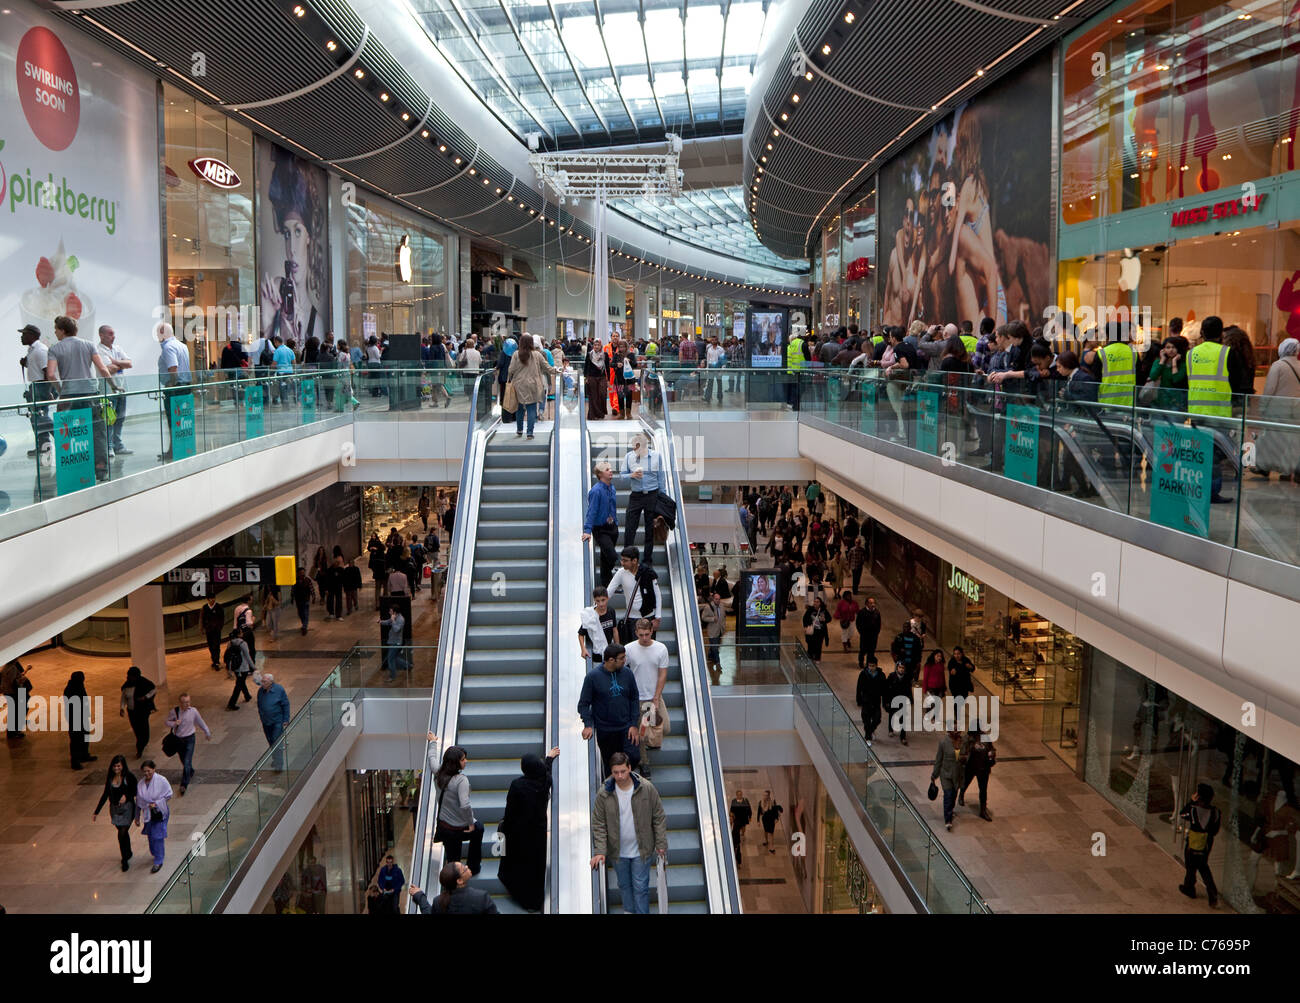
x=812, y=67
x=330, y=78
x=388, y=146
x=455, y=177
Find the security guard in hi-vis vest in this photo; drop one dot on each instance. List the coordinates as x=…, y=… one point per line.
x=1208, y=391
x=1118, y=374
x=794, y=363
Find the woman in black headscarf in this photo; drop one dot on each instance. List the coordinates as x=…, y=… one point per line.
x=523, y=868
x=76, y=707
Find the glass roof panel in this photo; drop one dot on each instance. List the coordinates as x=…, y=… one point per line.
x=547, y=66
x=711, y=218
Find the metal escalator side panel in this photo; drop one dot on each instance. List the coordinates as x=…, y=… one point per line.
x=723, y=888
x=445, y=699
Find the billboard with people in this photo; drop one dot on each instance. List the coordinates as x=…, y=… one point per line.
x=965, y=211
x=766, y=339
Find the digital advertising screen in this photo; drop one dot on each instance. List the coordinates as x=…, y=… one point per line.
x=759, y=598
x=766, y=338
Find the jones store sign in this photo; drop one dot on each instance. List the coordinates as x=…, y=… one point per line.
x=967, y=586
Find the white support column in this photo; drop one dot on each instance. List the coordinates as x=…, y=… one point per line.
x=144, y=618
x=641, y=312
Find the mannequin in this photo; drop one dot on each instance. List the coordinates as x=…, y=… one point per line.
x=1278, y=834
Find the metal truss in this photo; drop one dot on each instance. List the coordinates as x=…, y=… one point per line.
x=575, y=174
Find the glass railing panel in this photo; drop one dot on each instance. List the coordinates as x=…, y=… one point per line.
x=946, y=891
x=1270, y=504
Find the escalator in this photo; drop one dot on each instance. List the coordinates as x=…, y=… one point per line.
x=490, y=693
x=686, y=770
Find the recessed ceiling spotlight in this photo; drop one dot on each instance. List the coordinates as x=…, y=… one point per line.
x=785, y=117
x=358, y=73
x=826, y=50
x=299, y=10
x=406, y=117
x=383, y=96
x=424, y=134
x=442, y=147
x=331, y=45
x=769, y=146
x=472, y=171
x=795, y=98
x=776, y=132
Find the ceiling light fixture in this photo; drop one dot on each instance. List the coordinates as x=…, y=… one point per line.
x=424, y=134
x=442, y=147
x=358, y=73
x=785, y=117
x=331, y=45
x=769, y=146
x=795, y=99
x=808, y=75
x=406, y=117
x=299, y=10
x=979, y=73
x=458, y=160
x=826, y=50
x=383, y=96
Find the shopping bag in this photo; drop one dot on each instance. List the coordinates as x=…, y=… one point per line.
x=510, y=402
x=661, y=886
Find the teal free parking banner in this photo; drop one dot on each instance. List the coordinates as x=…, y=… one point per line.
x=253, y=411
x=869, y=389
x=1180, y=484
x=182, y=407
x=927, y=421
x=1021, y=453
x=308, y=401
x=74, y=450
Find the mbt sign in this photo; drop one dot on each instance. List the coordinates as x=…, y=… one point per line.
x=215, y=172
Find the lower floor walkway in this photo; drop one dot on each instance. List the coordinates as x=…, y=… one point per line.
x=54, y=857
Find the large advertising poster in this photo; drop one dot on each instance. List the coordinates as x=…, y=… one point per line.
x=79, y=180
x=292, y=245
x=965, y=211
x=766, y=339
x=330, y=518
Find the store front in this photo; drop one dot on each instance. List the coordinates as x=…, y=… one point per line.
x=906, y=569
x=402, y=270
x=1178, y=187
x=208, y=191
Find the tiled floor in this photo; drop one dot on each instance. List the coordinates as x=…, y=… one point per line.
x=767, y=880
x=54, y=858
x=1037, y=853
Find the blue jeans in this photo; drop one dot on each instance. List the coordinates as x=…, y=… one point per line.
x=634, y=883
x=519, y=417
x=115, y=430
x=273, y=733
x=949, y=799
x=187, y=758
x=393, y=656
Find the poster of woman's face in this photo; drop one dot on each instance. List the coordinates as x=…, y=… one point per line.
x=292, y=246
x=965, y=212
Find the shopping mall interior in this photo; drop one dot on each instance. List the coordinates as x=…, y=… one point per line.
x=442, y=424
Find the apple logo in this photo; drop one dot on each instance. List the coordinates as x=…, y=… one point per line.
x=404, y=258
x=1130, y=271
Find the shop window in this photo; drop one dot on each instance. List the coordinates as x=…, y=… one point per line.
x=210, y=239
x=378, y=298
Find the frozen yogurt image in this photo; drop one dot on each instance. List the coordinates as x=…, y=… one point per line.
x=56, y=295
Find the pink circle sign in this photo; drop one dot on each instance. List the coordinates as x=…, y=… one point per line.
x=47, y=86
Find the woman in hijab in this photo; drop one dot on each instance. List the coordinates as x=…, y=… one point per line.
x=523, y=868
x=76, y=711
x=1276, y=449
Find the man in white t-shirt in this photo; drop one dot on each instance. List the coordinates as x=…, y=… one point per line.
x=648, y=660
x=38, y=387
x=117, y=362
x=715, y=358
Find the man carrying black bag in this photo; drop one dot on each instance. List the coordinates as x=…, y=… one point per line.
x=640, y=587
x=645, y=472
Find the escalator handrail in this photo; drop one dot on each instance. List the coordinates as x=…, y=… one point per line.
x=599, y=903
x=445, y=700
x=710, y=790
x=552, y=722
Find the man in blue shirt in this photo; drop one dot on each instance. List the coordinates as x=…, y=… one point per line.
x=646, y=472
x=284, y=358
x=602, y=519
x=273, y=710
x=610, y=707
x=173, y=371
x=390, y=880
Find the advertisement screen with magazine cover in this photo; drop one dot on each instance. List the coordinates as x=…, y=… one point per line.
x=758, y=608
x=79, y=178
x=965, y=211
x=766, y=339
x=293, y=282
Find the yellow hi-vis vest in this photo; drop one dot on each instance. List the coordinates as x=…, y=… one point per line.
x=971, y=343
x=1208, y=390
x=794, y=355
x=1118, y=373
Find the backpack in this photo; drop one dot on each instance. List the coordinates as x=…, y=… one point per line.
x=233, y=658
x=267, y=355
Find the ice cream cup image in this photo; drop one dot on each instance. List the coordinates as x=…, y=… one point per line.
x=40, y=307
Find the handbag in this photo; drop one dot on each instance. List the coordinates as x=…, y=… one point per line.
x=666, y=509
x=171, y=745
x=120, y=814
x=932, y=791
x=510, y=402
x=1147, y=395
x=155, y=816
x=654, y=728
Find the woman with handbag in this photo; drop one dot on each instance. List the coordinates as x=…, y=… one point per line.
x=454, y=817
x=152, y=795
x=529, y=377
x=814, y=628
x=119, y=792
